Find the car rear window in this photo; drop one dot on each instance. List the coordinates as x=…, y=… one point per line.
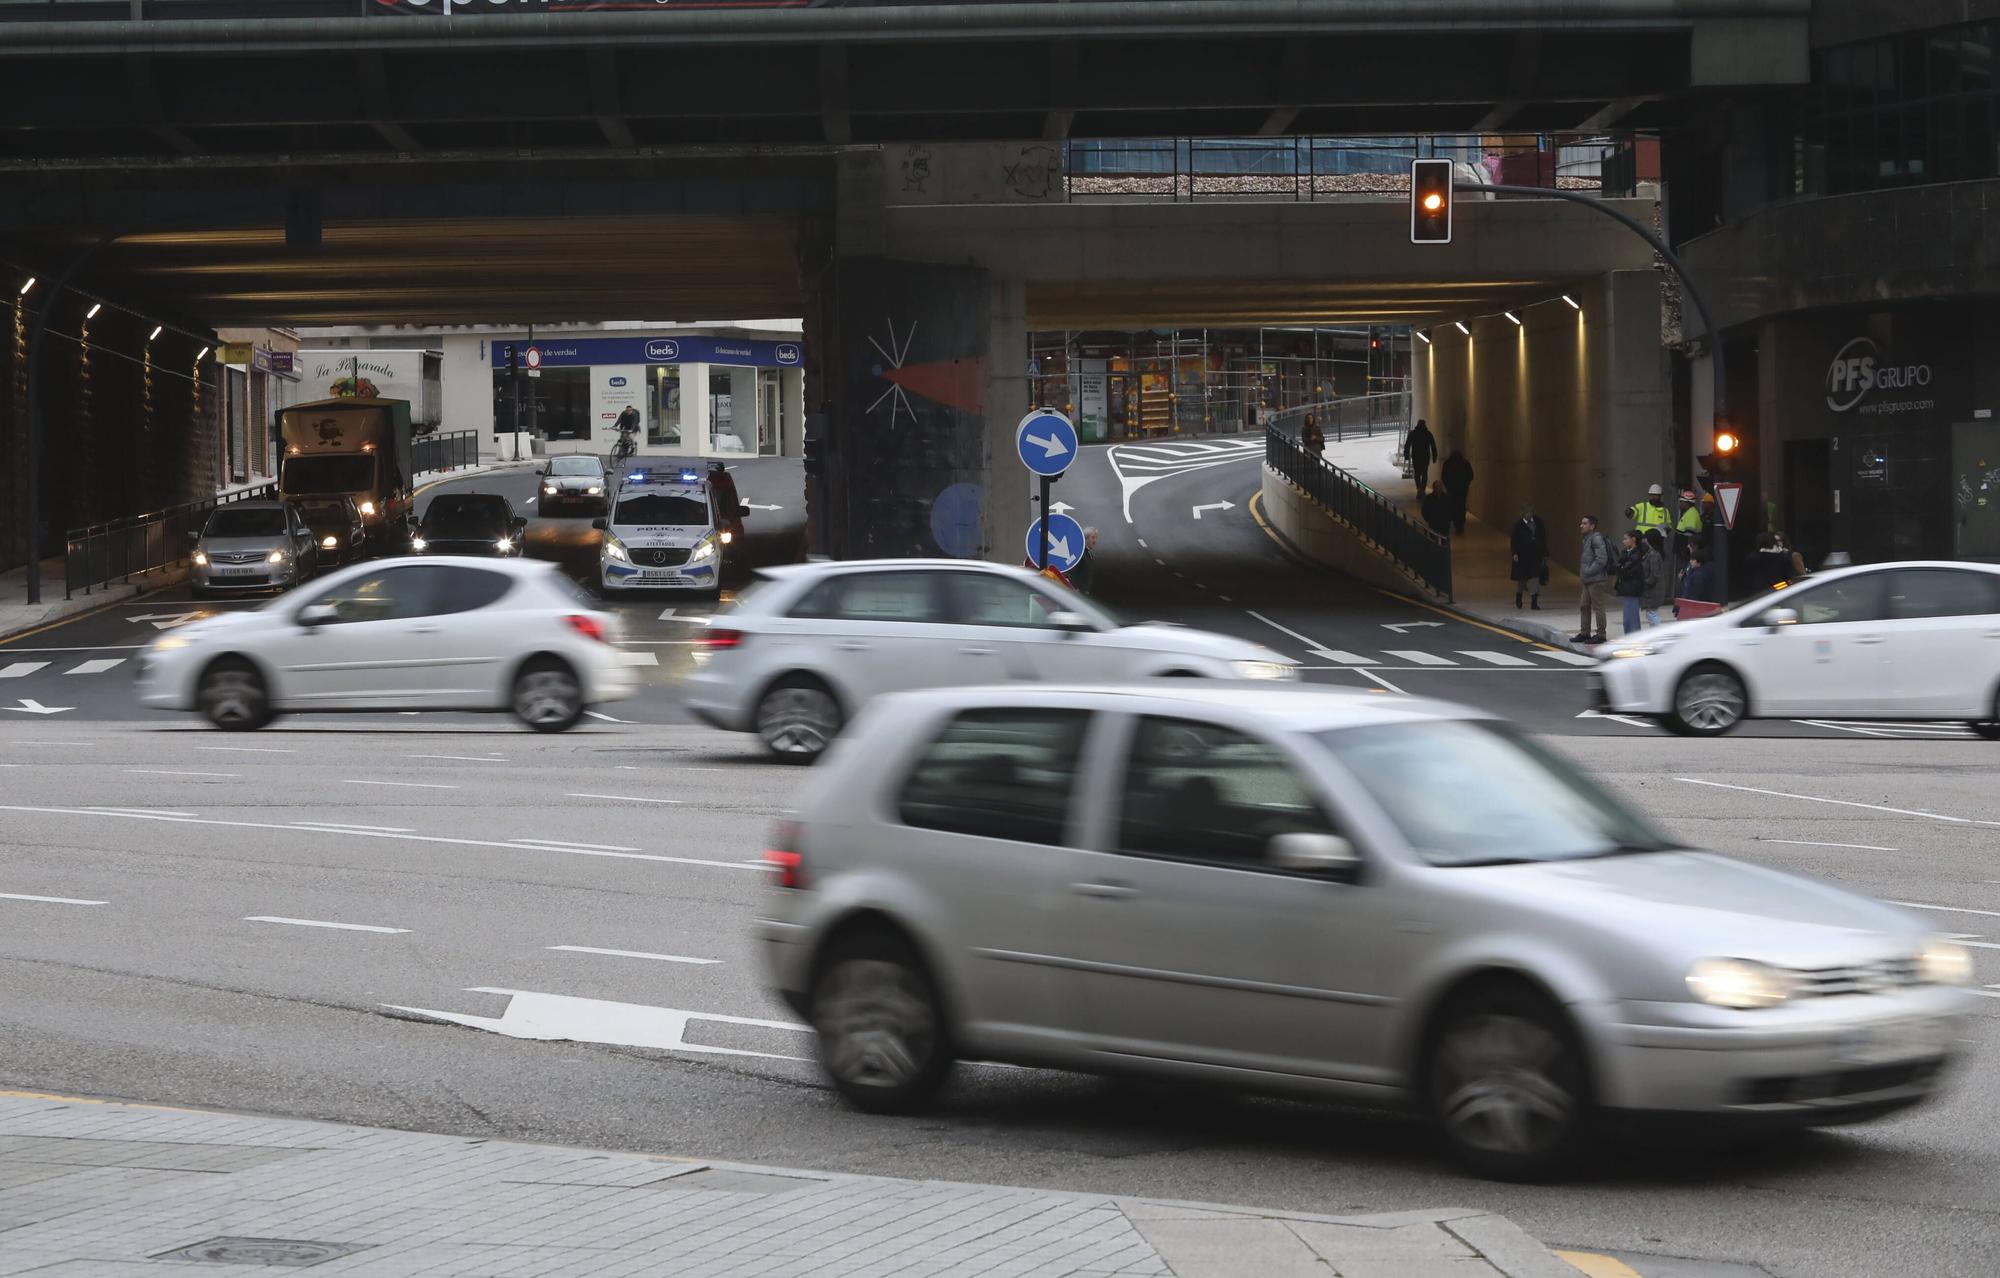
x=464, y=589
x=998, y=774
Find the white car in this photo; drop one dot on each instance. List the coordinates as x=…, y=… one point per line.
x=1917, y=640
x=808, y=645
x=433, y=634
x=662, y=533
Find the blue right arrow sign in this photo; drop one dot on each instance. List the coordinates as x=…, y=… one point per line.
x=1046, y=441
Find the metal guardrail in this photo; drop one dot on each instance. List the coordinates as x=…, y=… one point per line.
x=99, y=554
x=1362, y=415
x=1378, y=521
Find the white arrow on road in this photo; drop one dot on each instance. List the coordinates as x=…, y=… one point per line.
x=1052, y=446
x=1405, y=627
x=1214, y=505
x=166, y=620
x=754, y=506
x=1061, y=507
x=36, y=707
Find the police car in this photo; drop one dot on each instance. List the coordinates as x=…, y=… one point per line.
x=661, y=534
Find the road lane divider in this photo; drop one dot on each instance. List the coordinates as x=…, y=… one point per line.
x=173, y=772
x=48, y=900
x=1840, y=803
x=588, y=847
x=627, y=798
x=638, y=954
x=405, y=785
x=338, y=825
x=339, y=927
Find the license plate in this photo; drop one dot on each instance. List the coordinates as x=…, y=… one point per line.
x=236, y=572
x=662, y=576
x=1892, y=1041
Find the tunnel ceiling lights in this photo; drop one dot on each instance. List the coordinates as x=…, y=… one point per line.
x=157, y=330
x=1516, y=318
x=1573, y=303
x=95, y=307
x=1462, y=328
x=25, y=287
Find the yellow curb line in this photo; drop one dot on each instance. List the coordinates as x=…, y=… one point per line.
x=1597, y=1266
x=79, y=616
x=97, y=1100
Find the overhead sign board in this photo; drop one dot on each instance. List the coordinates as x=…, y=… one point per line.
x=1727, y=498
x=1065, y=543
x=1046, y=441
x=586, y=352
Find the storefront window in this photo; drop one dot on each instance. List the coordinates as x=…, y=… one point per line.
x=732, y=409
x=663, y=420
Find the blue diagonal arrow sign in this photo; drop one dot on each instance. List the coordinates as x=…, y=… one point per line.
x=1046, y=441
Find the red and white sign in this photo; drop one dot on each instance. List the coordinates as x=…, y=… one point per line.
x=1727, y=498
x=534, y=357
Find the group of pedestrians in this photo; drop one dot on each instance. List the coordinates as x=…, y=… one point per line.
x=1441, y=502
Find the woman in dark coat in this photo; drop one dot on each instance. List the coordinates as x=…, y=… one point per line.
x=1436, y=508
x=1531, y=556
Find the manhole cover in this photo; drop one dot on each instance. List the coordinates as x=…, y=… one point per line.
x=259, y=1251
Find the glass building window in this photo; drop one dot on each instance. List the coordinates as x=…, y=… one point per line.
x=732, y=410
x=663, y=421
x=1898, y=111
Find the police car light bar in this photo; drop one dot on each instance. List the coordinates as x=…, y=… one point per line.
x=690, y=476
x=635, y=476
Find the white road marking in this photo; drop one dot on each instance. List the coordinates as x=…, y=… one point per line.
x=1987, y=993
x=88, y=647
x=1965, y=938
x=588, y=847
x=1843, y=803
x=1569, y=658
x=607, y=718
x=1371, y=675
x=343, y=927
x=375, y=834
x=1951, y=909
x=565, y=1018
x=1345, y=658
x=1625, y=719
x=334, y=825
x=141, y=811
x=1497, y=658
x=1417, y=658
x=402, y=785
x=251, y=749
x=19, y=668
x=664, y=958
x=623, y=798
x=1405, y=627
x=1814, y=843
x=1143, y=545
x=462, y=758
x=97, y=666
x=170, y=772
x=1841, y=727
x=48, y=900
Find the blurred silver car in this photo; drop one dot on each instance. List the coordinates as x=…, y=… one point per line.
x=1329, y=893
x=251, y=546
x=806, y=647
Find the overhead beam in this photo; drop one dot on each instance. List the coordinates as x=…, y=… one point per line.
x=1063, y=60
x=834, y=121
x=1522, y=68
x=382, y=105
x=146, y=101
x=1292, y=76
x=1610, y=114
x=605, y=99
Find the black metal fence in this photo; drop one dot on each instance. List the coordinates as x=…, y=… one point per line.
x=126, y=548
x=1364, y=415
x=1378, y=520
x=444, y=452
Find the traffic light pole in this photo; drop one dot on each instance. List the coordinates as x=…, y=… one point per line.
x=1042, y=560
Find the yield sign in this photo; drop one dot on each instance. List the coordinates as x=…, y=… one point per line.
x=1727, y=498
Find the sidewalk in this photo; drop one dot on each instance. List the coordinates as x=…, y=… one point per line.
x=101, y=1190
x=1482, y=557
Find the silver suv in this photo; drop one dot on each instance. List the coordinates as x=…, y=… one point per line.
x=1326, y=893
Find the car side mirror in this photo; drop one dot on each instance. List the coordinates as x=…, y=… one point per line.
x=1073, y=622
x=1775, y=617
x=1325, y=855
x=599, y=524
x=315, y=615
x=742, y=512
x=520, y=524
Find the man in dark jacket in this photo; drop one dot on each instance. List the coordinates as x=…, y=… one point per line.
x=1457, y=475
x=1420, y=447
x=1699, y=584
x=1594, y=569
x=1529, y=545
x=1436, y=508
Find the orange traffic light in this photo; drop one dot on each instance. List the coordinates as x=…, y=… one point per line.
x=1725, y=442
x=1430, y=201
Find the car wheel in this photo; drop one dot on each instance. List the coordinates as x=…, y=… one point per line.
x=882, y=1035
x=1708, y=701
x=232, y=696
x=1988, y=728
x=547, y=696
x=1507, y=1086
x=798, y=719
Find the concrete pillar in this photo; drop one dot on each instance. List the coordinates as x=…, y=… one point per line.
x=694, y=410
x=1009, y=486
x=792, y=394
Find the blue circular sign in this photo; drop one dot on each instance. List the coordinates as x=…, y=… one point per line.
x=1065, y=543
x=1046, y=441
x=955, y=520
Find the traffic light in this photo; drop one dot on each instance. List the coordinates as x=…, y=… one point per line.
x=1720, y=460
x=1430, y=201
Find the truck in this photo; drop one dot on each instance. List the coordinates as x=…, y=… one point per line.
x=413, y=375
x=357, y=448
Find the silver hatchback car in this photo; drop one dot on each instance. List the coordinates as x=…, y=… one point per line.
x=1330, y=893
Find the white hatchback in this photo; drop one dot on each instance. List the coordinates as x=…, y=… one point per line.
x=432, y=634
x=1917, y=640
x=808, y=645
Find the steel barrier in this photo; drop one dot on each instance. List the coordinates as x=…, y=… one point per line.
x=1378, y=521
x=444, y=452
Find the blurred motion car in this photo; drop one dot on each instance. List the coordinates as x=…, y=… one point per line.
x=469, y=524
x=337, y=529
x=1382, y=900
x=250, y=546
x=808, y=645
x=438, y=634
x=663, y=533
x=571, y=481
x=1918, y=640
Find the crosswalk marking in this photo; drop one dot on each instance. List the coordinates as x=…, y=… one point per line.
x=1419, y=658
x=1497, y=658
x=1569, y=658
x=1344, y=658
x=97, y=666
x=19, y=668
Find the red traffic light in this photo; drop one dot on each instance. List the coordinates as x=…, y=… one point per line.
x=1430, y=201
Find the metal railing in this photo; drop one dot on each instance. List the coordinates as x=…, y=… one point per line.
x=444, y=452
x=1377, y=520
x=1357, y=415
x=99, y=554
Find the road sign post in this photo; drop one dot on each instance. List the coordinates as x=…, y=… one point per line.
x=1046, y=442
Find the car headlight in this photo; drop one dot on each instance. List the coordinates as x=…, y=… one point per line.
x=1943, y=963
x=169, y=643
x=595, y=490
x=728, y=537
x=614, y=550
x=367, y=507
x=1263, y=670
x=504, y=545
x=275, y=557
x=1738, y=983
x=548, y=490
x=1647, y=648
x=200, y=559
x=329, y=542
x=704, y=549
x=418, y=543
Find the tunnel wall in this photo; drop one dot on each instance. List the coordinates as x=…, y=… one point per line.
x=1570, y=410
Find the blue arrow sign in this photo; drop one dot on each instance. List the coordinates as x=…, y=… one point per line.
x=1046, y=441
x=1065, y=543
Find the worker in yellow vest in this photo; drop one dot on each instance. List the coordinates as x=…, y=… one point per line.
x=1649, y=514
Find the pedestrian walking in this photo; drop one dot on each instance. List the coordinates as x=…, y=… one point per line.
x=1312, y=438
x=1529, y=543
x=1083, y=577
x=1457, y=475
x=1594, y=570
x=1799, y=568
x=1436, y=508
x=1659, y=580
x=1699, y=584
x=1629, y=580
x=1650, y=513
x=1420, y=447
x=1769, y=565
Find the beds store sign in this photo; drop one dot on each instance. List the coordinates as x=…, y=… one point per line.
x=1864, y=379
x=587, y=352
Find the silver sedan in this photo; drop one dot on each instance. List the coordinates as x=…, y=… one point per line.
x=1327, y=893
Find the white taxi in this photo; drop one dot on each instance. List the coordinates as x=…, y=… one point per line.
x=662, y=534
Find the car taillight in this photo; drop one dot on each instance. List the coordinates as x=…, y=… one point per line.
x=786, y=864
x=714, y=640
x=588, y=627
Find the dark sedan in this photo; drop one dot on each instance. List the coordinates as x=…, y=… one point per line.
x=337, y=529
x=469, y=524
x=573, y=481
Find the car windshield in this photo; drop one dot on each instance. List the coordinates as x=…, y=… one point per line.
x=574, y=466
x=259, y=521
x=329, y=473
x=661, y=508
x=1471, y=792
x=447, y=518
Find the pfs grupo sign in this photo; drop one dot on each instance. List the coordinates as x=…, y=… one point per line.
x=1863, y=379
